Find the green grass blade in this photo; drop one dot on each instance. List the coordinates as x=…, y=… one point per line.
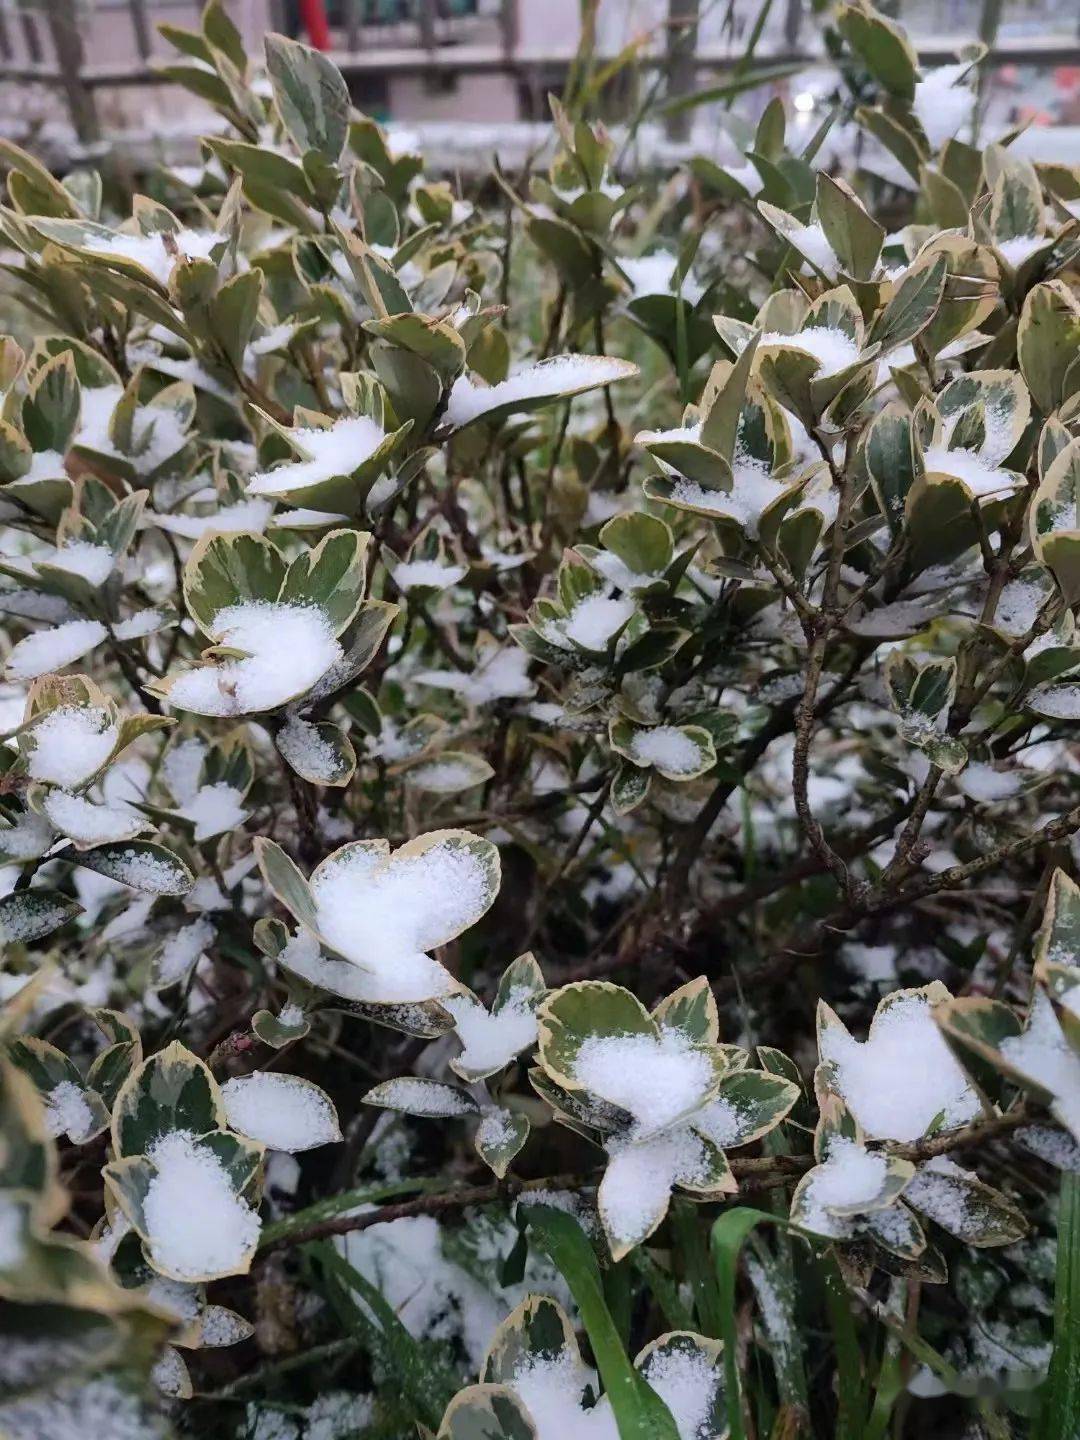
x=851, y=1403
x=728, y=1235
x=639, y=1412
x=1059, y=1414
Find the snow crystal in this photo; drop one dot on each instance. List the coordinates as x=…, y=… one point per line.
x=93, y=563
x=559, y=375
x=984, y=480
x=1056, y=1147
x=1057, y=702
x=87, y=823
x=30, y=836
x=78, y=1410
x=339, y=450
x=657, y=1079
x=753, y=488
x=214, y=809
x=71, y=743
x=938, y=1190
x=1019, y=248
x=655, y=275
x=148, y=873
x=413, y=573
x=249, y=515
x=850, y=1176
x=595, y=619
x=339, y=1415
x=289, y=648
x=1043, y=1054
x=51, y=650
x=668, y=748
x=903, y=1076
x=181, y=951
x=811, y=241
x=67, y=1112
x=501, y=676
x=306, y=750
x=423, y=1097
x=280, y=1111
x=983, y=782
x=491, y=1040
x=943, y=106
x=383, y=917
x=686, y=1379
x=143, y=622
x=197, y=1225
x=154, y=252
x=182, y=767
x=551, y=1388
x=1019, y=605
x=833, y=348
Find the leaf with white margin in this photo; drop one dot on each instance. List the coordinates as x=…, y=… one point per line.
x=30, y=914
x=142, y=864
x=491, y=1039
x=963, y=1205
x=172, y=1090
x=538, y=1328
x=687, y=1371
x=487, y=1412
x=430, y=1099
x=449, y=773
x=283, y=1112
x=319, y=752
x=559, y=377
x=500, y=1136
x=635, y=1192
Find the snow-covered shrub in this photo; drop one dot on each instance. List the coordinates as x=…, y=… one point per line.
x=480, y=673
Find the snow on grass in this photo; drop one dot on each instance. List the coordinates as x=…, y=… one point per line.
x=668, y=748
x=306, y=750
x=903, y=1076
x=339, y=450
x=68, y=1113
x=214, y=809
x=383, y=916
x=281, y=1111
x=503, y=675
x=548, y=379
x=852, y=1176
x=657, y=1079
x=489, y=1041
x=595, y=620
x=1043, y=1054
x=69, y=744
x=832, y=348
x=51, y=650
x=289, y=648
x=182, y=951
x=411, y=574
x=93, y=563
x=89, y=824
x=156, y=253
x=249, y=515
x=197, y=1226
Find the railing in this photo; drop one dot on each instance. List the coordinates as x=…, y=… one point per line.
x=41, y=41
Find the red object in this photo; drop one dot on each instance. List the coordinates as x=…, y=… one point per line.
x=313, y=19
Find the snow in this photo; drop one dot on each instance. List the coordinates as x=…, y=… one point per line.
x=1019, y=605
x=152, y=252
x=77, y=1409
x=1057, y=702
x=903, y=1076
x=636, y=1187
x=983, y=783
x=1043, y=1054
x=382, y=916
x=197, y=1226
x=810, y=240
x=939, y=1190
x=489, y=1041
x=658, y=1080
x=156, y=433
x=595, y=619
x=280, y=1111
x=93, y=563
x=67, y=1112
x=501, y=676
x=983, y=479
x=148, y=873
x=442, y=777
x=560, y=375
x=289, y=648
x=249, y=515
x=142, y=623
x=51, y=650
x=551, y=1388
x=413, y=573
x=339, y=450
x=214, y=809
x=89, y=824
x=424, y=1097
x=753, y=488
x=182, y=767
x=1019, y=248
x=655, y=275
x=30, y=836
x=668, y=748
x=850, y=1177
x=833, y=348
x=943, y=106
x=687, y=1380
x=306, y=750
x=71, y=743
x=181, y=951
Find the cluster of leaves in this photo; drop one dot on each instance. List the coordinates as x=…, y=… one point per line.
x=421, y=631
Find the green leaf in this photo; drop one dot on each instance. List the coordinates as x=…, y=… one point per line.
x=853, y=233
x=31, y=914
x=883, y=48
x=1059, y=1409
x=913, y=304
x=1047, y=344
x=310, y=94
x=145, y=866
x=639, y=1412
x=51, y=409
x=232, y=315
x=285, y=880
x=500, y=1137
x=172, y=1090
x=331, y=576
x=224, y=570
